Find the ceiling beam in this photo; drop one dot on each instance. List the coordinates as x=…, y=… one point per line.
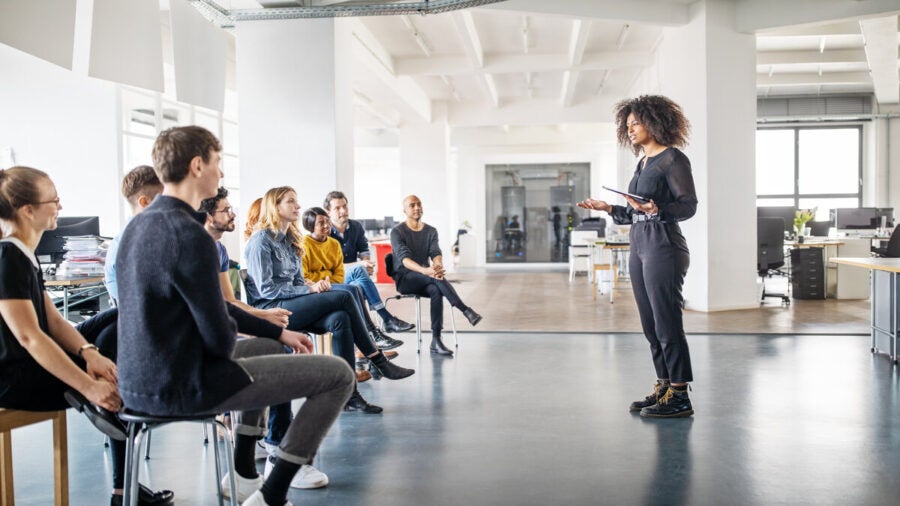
x=804, y=79
x=533, y=112
x=881, y=53
x=839, y=28
x=518, y=63
x=794, y=57
x=577, y=44
x=376, y=59
x=768, y=14
x=468, y=34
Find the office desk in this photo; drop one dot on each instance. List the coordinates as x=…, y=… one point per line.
x=84, y=288
x=617, y=258
x=841, y=282
x=885, y=298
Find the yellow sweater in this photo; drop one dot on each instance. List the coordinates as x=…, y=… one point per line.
x=322, y=259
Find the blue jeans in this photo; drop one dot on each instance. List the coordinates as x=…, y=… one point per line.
x=358, y=276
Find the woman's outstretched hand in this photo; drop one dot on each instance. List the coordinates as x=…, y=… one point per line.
x=594, y=205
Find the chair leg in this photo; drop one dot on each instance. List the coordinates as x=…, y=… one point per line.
x=453, y=324
x=60, y=460
x=147, y=449
x=205, y=435
x=419, y=323
x=217, y=459
x=7, y=495
x=132, y=469
x=229, y=461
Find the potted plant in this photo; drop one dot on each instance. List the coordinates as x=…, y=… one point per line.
x=801, y=217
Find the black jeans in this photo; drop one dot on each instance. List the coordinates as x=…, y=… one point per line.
x=410, y=282
x=32, y=388
x=658, y=262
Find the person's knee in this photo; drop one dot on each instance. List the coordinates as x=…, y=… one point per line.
x=340, y=372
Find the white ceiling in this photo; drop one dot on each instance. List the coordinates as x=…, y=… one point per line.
x=558, y=57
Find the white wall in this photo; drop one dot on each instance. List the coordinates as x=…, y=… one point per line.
x=66, y=125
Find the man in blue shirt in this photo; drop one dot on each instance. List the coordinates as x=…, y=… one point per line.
x=353, y=241
x=139, y=187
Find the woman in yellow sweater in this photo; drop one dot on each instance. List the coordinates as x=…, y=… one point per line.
x=324, y=260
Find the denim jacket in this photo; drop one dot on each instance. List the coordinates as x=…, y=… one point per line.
x=274, y=269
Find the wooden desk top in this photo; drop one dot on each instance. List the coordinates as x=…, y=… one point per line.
x=814, y=244
x=71, y=280
x=878, y=264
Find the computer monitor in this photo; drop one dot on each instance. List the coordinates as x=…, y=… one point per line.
x=862, y=218
x=388, y=223
x=51, y=247
x=786, y=213
x=370, y=224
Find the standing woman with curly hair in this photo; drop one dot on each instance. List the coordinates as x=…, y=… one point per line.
x=656, y=127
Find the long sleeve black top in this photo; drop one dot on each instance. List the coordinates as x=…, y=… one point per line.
x=667, y=179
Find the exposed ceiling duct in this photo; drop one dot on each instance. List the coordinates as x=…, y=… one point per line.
x=333, y=9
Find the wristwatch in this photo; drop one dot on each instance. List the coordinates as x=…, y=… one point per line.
x=86, y=347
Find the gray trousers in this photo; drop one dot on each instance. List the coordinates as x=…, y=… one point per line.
x=325, y=382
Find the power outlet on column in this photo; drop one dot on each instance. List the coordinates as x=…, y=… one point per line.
x=7, y=157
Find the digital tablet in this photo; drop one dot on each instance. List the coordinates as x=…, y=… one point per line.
x=642, y=200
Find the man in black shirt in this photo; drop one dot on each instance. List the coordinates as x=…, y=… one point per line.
x=419, y=269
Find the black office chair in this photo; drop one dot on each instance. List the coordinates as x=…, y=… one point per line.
x=389, y=269
x=893, y=248
x=770, y=253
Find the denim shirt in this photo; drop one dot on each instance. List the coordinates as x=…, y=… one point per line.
x=274, y=269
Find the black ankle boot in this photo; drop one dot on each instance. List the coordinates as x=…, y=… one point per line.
x=674, y=403
x=389, y=370
x=147, y=497
x=659, y=388
x=357, y=403
x=438, y=348
x=472, y=316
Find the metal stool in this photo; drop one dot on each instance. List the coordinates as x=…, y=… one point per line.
x=418, y=299
x=135, y=420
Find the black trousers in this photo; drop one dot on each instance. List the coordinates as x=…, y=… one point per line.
x=658, y=263
x=32, y=388
x=410, y=282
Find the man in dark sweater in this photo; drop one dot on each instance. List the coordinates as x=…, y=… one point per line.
x=178, y=351
x=419, y=269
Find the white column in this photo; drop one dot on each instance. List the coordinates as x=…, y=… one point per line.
x=294, y=108
x=710, y=70
x=423, y=172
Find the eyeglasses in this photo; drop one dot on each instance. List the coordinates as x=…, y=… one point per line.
x=227, y=210
x=54, y=201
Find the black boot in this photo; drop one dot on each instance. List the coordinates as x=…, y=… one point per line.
x=147, y=497
x=389, y=370
x=674, y=403
x=659, y=388
x=472, y=316
x=438, y=348
x=384, y=341
x=357, y=403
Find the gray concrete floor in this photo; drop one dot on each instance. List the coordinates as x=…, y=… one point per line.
x=531, y=419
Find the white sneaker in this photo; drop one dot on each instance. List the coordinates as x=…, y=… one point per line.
x=245, y=486
x=307, y=476
x=257, y=500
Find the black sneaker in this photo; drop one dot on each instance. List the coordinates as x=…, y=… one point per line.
x=357, y=403
x=394, y=324
x=659, y=388
x=384, y=341
x=672, y=404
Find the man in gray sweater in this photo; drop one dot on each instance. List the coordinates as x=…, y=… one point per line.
x=178, y=347
x=419, y=269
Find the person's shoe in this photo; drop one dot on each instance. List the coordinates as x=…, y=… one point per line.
x=357, y=403
x=245, y=486
x=472, y=316
x=438, y=348
x=146, y=497
x=257, y=500
x=106, y=422
x=363, y=375
x=260, y=452
x=659, y=388
x=307, y=476
x=391, y=355
x=672, y=404
x=384, y=341
x=394, y=324
x=389, y=370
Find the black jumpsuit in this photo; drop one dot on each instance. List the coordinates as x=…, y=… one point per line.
x=659, y=258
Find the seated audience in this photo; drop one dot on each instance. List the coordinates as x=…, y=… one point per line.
x=322, y=259
x=44, y=361
x=139, y=187
x=419, y=269
x=179, y=352
x=354, y=245
x=275, y=279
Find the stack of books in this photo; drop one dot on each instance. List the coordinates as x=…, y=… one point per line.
x=85, y=256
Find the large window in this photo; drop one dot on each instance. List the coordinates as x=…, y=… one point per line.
x=809, y=167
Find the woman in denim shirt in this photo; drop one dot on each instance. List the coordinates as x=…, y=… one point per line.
x=275, y=279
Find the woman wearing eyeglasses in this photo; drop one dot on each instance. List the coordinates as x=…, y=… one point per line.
x=45, y=363
x=655, y=127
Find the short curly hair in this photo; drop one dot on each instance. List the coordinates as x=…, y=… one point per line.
x=662, y=118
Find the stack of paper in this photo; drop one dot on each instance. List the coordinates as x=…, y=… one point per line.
x=85, y=256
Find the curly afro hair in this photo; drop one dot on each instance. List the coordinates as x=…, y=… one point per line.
x=662, y=118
